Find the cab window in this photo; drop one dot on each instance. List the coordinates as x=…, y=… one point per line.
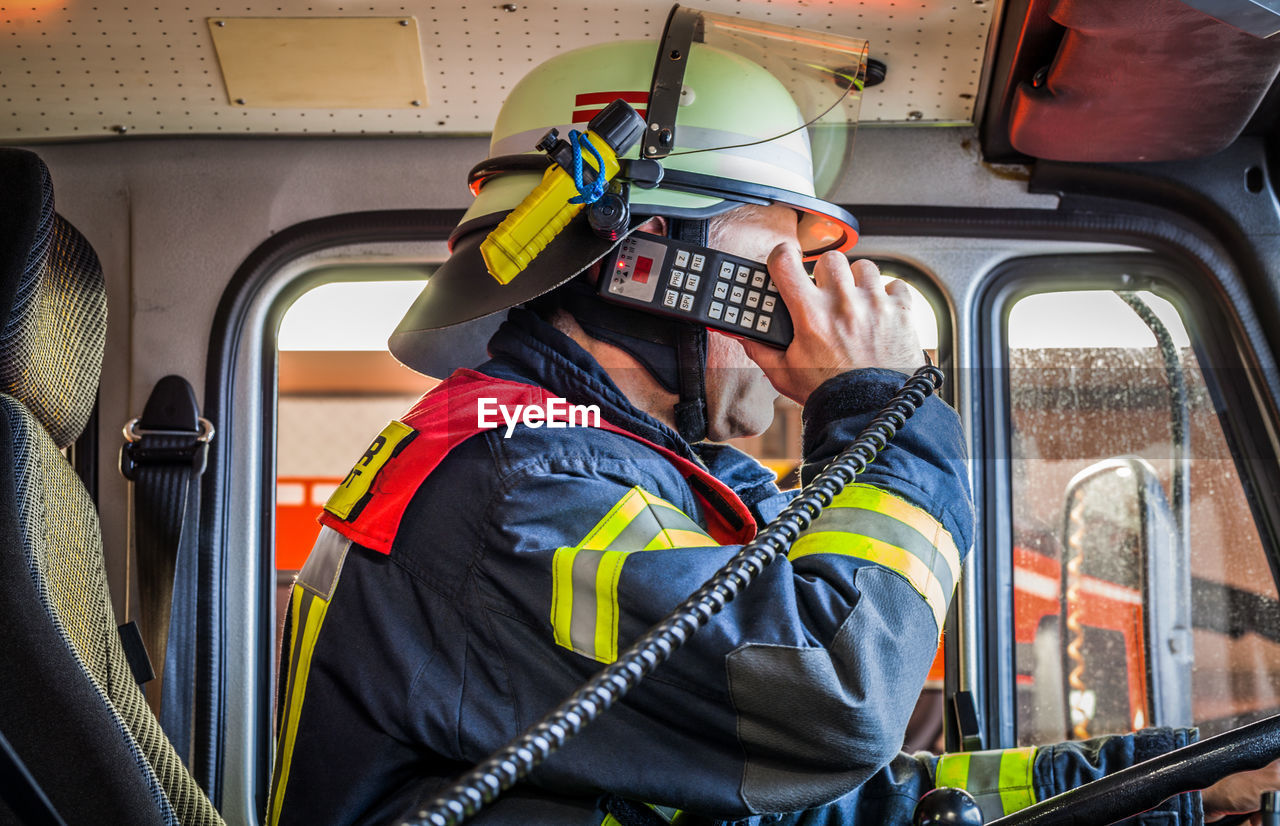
x=337, y=388
x=1142, y=591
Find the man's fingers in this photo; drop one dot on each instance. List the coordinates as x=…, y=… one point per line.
x=867, y=275
x=898, y=289
x=762, y=354
x=787, y=269
x=832, y=272
x=900, y=292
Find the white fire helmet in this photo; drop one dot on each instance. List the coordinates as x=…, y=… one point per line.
x=737, y=112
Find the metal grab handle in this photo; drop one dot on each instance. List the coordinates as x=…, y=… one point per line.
x=1146, y=785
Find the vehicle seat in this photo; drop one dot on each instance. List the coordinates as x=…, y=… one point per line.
x=69, y=706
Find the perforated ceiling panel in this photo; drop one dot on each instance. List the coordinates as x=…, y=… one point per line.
x=71, y=69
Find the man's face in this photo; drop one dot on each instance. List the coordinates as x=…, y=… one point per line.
x=739, y=397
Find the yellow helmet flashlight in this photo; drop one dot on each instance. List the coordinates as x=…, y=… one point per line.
x=570, y=183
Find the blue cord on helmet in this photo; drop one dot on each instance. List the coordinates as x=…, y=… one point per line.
x=586, y=195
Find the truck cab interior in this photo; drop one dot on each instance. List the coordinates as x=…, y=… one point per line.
x=1080, y=191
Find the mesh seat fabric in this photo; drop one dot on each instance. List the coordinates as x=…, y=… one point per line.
x=68, y=701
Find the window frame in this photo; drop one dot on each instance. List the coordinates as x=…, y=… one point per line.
x=235, y=683
x=236, y=686
x=943, y=312
x=1247, y=418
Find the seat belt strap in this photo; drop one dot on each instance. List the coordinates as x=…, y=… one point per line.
x=20, y=791
x=164, y=457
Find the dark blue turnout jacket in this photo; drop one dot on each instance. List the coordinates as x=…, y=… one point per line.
x=521, y=563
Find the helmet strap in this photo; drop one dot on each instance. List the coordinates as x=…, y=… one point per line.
x=673, y=352
x=691, y=348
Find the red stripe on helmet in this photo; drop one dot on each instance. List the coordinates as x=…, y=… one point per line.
x=591, y=98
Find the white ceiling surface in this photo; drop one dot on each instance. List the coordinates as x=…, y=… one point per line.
x=93, y=69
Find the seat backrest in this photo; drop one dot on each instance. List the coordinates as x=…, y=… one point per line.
x=68, y=702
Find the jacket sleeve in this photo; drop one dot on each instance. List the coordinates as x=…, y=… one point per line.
x=798, y=691
x=1004, y=781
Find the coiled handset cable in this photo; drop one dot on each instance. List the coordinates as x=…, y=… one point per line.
x=501, y=770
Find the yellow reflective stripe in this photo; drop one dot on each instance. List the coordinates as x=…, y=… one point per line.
x=614, y=522
x=1001, y=781
x=1017, y=781
x=606, y=642
x=683, y=532
x=562, y=595
x=868, y=497
x=584, y=579
x=610, y=820
x=297, y=691
x=868, y=523
x=952, y=771
x=674, y=538
x=908, y=565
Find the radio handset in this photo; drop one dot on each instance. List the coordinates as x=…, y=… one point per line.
x=678, y=279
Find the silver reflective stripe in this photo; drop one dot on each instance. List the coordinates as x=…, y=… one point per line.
x=582, y=627
x=585, y=613
x=773, y=156
x=320, y=573
x=865, y=522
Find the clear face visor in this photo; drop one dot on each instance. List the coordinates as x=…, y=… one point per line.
x=774, y=105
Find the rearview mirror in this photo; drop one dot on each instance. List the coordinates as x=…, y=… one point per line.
x=1126, y=607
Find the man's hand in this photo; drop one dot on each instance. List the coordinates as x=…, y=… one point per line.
x=844, y=317
x=1240, y=793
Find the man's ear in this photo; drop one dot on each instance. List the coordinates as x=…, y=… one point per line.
x=657, y=225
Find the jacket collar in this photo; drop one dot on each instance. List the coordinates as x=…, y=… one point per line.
x=528, y=349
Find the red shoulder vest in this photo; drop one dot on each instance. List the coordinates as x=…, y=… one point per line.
x=369, y=504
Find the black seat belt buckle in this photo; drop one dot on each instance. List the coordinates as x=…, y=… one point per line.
x=136, y=454
x=170, y=431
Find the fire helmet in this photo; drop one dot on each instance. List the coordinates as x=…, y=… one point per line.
x=738, y=112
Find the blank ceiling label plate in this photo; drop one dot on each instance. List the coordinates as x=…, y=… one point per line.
x=320, y=63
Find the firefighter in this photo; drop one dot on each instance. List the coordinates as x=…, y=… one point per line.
x=475, y=568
